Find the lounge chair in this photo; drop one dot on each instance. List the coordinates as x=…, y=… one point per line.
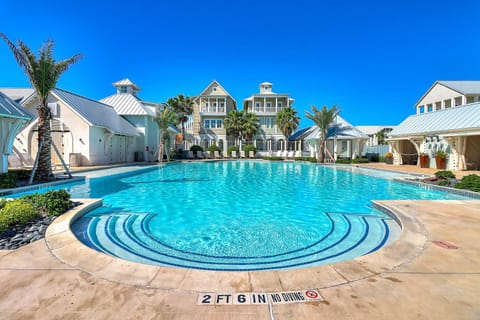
x=207, y=155
x=225, y=154
x=216, y=154
x=200, y=154
x=234, y=154
x=251, y=154
x=242, y=154
x=190, y=155
x=298, y=154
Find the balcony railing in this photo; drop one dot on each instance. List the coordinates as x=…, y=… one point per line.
x=213, y=109
x=266, y=109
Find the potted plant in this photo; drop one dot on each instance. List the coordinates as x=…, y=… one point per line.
x=389, y=158
x=424, y=160
x=441, y=159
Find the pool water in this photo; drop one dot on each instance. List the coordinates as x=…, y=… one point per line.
x=241, y=215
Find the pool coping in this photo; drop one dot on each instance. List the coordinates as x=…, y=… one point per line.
x=63, y=244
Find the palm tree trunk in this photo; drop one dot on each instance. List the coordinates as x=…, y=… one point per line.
x=321, y=155
x=160, y=149
x=44, y=171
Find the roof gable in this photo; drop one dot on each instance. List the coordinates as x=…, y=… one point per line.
x=459, y=87
x=215, y=89
x=11, y=109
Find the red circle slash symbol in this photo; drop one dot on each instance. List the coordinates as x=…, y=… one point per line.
x=312, y=294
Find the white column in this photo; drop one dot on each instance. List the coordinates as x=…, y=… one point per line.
x=434, y=106
x=264, y=103
x=418, y=109
x=225, y=104
x=464, y=100
x=452, y=102
x=209, y=104
x=276, y=104
x=442, y=104
x=288, y=102
x=216, y=105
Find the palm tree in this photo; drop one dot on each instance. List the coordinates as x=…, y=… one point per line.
x=164, y=119
x=234, y=124
x=322, y=118
x=43, y=72
x=381, y=137
x=183, y=107
x=250, y=125
x=287, y=120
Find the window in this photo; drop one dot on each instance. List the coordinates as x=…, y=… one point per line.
x=123, y=89
x=279, y=104
x=257, y=105
x=214, y=89
x=269, y=104
x=219, y=123
x=206, y=124
x=213, y=123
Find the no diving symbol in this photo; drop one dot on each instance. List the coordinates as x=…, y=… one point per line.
x=312, y=294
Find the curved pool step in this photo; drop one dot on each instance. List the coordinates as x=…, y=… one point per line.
x=127, y=236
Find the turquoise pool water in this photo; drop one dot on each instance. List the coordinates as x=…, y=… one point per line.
x=241, y=215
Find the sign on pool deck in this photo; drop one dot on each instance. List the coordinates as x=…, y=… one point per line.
x=249, y=298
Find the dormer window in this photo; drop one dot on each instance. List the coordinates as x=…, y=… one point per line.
x=123, y=89
x=214, y=89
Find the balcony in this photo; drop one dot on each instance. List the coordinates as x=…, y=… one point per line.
x=205, y=111
x=266, y=110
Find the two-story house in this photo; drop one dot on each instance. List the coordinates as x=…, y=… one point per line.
x=207, y=124
x=265, y=105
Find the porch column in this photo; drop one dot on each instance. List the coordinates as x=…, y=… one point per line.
x=224, y=104
x=216, y=105
x=209, y=105
x=397, y=157
x=264, y=103
x=334, y=149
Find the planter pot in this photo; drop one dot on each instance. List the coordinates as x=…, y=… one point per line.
x=389, y=160
x=424, y=162
x=441, y=163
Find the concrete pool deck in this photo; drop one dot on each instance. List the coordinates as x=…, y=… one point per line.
x=413, y=278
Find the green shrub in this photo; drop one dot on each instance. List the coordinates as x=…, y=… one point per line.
x=470, y=182
x=343, y=161
x=273, y=158
x=248, y=148
x=213, y=148
x=381, y=159
x=196, y=148
x=2, y=203
x=14, y=212
x=308, y=159
x=443, y=183
x=360, y=160
x=51, y=203
x=445, y=174
x=232, y=148
x=22, y=174
x=8, y=180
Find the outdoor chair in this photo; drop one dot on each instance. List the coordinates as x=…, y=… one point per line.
x=242, y=154
x=251, y=154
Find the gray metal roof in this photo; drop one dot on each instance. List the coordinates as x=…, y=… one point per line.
x=11, y=109
x=460, y=118
x=339, y=129
x=126, y=82
x=464, y=87
x=373, y=129
x=17, y=94
x=128, y=104
x=96, y=113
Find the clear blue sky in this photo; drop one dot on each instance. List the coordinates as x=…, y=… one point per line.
x=374, y=59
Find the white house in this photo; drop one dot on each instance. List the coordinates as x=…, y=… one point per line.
x=265, y=105
x=12, y=118
x=139, y=113
x=447, y=119
x=85, y=131
x=344, y=141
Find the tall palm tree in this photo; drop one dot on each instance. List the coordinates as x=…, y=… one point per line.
x=183, y=107
x=322, y=118
x=234, y=124
x=250, y=125
x=287, y=120
x=43, y=72
x=164, y=119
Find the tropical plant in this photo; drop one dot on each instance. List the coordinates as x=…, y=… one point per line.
x=164, y=119
x=230, y=149
x=183, y=107
x=242, y=125
x=43, y=72
x=441, y=154
x=381, y=137
x=322, y=118
x=213, y=148
x=248, y=148
x=250, y=125
x=445, y=174
x=287, y=120
x=470, y=182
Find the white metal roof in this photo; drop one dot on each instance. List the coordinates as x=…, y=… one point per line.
x=17, y=94
x=126, y=82
x=128, y=104
x=11, y=109
x=460, y=118
x=464, y=87
x=373, y=129
x=96, y=113
x=339, y=129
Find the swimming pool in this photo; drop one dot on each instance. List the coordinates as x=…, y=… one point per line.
x=240, y=215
